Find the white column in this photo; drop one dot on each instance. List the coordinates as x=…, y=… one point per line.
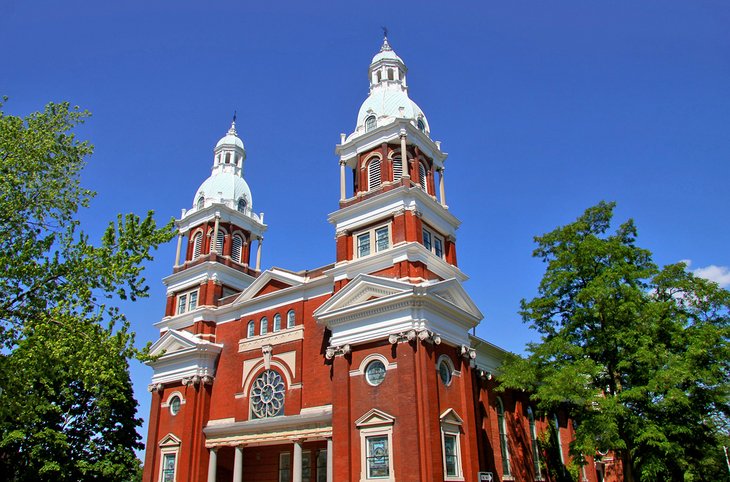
x=297, y=462
x=214, y=241
x=258, y=254
x=404, y=156
x=342, y=181
x=179, y=245
x=329, y=459
x=442, y=190
x=212, y=464
x=238, y=465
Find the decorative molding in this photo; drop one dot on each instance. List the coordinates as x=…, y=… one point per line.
x=468, y=352
x=270, y=339
x=333, y=351
x=402, y=337
x=266, y=352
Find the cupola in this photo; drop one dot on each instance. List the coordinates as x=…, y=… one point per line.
x=226, y=184
x=388, y=99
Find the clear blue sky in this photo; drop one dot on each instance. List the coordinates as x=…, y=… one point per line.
x=545, y=108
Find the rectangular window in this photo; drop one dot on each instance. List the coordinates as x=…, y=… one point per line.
x=427, y=240
x=284, y=467
x=438, y=248
x=381, y=237
x=378, y=463
x=306, y=467
x=363, y=245
x=322, y=466
x=181, y=303
x=187, y=301
x=451, y=459
x=433, y=242
x=168, y=468
x=372, y=241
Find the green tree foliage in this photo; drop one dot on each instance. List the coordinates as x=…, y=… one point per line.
x=67, y=412
x=639, y=356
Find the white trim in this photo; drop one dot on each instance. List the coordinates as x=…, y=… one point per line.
x=372, y=240
x=375, y=423
x=169, y=445
x=166, y=404
x=360, y=370
x=452, y=371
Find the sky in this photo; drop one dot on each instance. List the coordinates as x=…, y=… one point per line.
x=545, y=109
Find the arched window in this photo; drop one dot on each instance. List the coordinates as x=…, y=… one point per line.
x=277, y=322
x=390, y=74
x=197, y=244
x=422, y=176
x=219, y=241
x=251, y=329
x=421, y=125
x=397, y=168
x=290, y=319
x=201, y=202
x=379, y=76
x=228, y=157
x=370, y=123
x=374, y=174
x=533, y=442
x=242, y=204
x=267, y=395
x=503, y=437
x=264, y=326
x=236, y=248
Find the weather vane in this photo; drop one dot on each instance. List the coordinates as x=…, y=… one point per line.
x=385, y=31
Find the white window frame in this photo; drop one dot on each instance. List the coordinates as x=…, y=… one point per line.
x=375, y=424
x=183, y=301
x=423, y=176
x=370, y=123
x=169, y=445
x=534, y=449
x=237, y=248
x=434, y=238
x=276, y=324
x=220, y=241
x=556, y=421
x=451, y=427
x=371, y=232
x=168, y=403
x=452, y=371
x=250, y=329
x=263, y=326
x=291, y=319
x=197, y=245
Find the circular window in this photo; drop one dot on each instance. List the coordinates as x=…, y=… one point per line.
x=267, y=395
x=445, y=372
x=175, y=405
x=375, y=373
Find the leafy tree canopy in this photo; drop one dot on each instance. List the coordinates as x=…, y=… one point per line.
x=67, y=411
x=639, y=356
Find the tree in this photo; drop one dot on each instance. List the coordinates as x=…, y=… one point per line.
x=639, y=356
x=67, y=411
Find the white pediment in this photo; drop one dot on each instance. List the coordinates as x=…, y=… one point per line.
x=175, y=341
x=451, y=417
x=274, y=274
x=169, y=440
x=374, y=418
x=362, y=289
x=453, y=292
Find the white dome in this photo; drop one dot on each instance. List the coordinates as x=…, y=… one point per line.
x=387, y=105
x=386, y=55
x=230, y=140
x=224, y=187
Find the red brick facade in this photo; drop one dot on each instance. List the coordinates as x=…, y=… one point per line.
x=361, y=370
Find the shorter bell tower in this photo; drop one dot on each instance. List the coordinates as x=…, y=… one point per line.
x=214, y=258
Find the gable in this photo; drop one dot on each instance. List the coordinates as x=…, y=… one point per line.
x=364, y=289
x=271, y=286
x=374, y=418
x=174, y=341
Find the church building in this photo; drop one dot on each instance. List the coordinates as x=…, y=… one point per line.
x=366, y=369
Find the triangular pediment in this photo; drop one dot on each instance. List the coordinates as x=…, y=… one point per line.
x=270, y=281
x=174, y=341
x=169, y=440
x=363, y=289
x=453, y=292
x=374, y=418
x=451, y=417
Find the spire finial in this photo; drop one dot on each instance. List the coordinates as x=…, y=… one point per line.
x=386, y=45
x=232, y=130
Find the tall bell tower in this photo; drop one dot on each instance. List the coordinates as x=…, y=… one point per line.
x=394, y=221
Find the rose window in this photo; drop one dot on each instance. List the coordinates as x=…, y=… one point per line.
x=267, y=395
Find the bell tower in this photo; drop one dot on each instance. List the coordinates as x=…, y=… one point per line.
x=216, y=235
x=393, y=219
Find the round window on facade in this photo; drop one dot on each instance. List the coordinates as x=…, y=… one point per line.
x=267, y=395
x=445, y=372
x=375, y=373
x=175, y=405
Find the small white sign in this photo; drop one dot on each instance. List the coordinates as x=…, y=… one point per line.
x=485, y=477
